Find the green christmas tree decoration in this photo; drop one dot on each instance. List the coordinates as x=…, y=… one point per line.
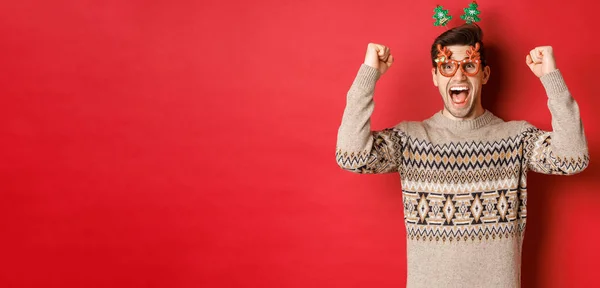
x=471, y=13
x=441, y=16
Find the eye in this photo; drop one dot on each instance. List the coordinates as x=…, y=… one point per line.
x=470, y=65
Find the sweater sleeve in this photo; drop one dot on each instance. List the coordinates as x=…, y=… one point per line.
x=359, y=149
x=562, y=151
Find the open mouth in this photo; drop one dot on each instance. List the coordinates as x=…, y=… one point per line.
x=459, y=94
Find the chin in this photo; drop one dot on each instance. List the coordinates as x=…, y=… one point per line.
x=466, y=112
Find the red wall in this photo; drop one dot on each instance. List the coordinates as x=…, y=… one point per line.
x=191, y=143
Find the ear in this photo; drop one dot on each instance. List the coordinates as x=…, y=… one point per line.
x=486, y=75
x=433, y=75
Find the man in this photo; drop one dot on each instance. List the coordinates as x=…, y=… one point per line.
x=464, y=170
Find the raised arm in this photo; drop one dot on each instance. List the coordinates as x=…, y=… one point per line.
x=562, y=151
x=359, y=149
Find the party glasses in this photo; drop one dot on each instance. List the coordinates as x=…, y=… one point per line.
x=448, y=67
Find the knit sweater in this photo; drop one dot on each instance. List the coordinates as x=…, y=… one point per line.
x=464, y=182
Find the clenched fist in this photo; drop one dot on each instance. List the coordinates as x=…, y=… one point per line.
x=379, y=57
x=541, y=60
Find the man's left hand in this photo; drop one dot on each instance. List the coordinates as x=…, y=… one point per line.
x=541, y=60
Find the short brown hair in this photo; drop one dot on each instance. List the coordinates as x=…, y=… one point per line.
x=466, y=34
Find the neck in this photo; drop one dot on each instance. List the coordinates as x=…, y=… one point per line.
x=463, y=124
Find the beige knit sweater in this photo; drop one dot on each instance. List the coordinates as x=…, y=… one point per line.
x=464, y=183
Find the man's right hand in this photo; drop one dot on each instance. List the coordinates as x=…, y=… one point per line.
x=379, y=57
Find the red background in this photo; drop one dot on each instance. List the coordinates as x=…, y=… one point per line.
x=191, y=143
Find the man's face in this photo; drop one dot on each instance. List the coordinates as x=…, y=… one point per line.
x=461, y=93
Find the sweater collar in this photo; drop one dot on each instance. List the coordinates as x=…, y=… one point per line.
x=439, y=120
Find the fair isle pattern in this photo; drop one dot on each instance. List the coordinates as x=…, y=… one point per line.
x=476, y=232
x=460, y=188
x=464, y=190
x=466, y=216
x=383, y=157
x=454, y=160
x=461, y=167
x=544, y=160
x=472, y=190
x=463, y=156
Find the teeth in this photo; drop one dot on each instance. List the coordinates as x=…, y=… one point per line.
x=459, y=88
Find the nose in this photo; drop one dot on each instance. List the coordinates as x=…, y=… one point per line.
x=459, y=75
